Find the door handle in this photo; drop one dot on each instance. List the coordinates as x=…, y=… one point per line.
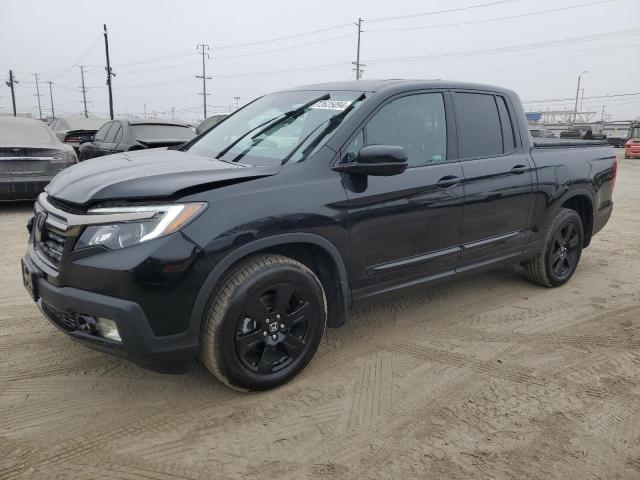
x=518, y=169
x=448, y=181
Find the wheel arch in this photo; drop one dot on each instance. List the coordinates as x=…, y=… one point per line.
x=582, y=203
x=316, y=252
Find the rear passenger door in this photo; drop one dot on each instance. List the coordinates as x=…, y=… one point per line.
x=94, y=148
x=108, y=146
x=498, y=179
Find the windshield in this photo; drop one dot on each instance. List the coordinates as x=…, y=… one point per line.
x=151, y=132
x=270, y=131
x=634, y=132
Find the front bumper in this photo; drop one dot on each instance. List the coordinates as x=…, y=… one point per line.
x=63, y=305
x=633, y=153
x=21, y=187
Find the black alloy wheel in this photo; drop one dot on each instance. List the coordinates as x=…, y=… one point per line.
x=273, y=330
x=557, y=262
x=565, y=252
x=264, y=322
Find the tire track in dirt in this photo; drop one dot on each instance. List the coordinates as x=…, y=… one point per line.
x=371, y=394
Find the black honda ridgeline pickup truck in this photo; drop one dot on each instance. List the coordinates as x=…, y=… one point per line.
x=238, y=247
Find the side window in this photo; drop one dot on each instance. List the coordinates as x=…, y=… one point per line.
x=415, y=122
x=118, y=136
x=351, y=152
x=112, y=132
x=480, y=132
x=508, y=133
x=102, y=133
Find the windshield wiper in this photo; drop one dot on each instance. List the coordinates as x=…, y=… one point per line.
x=273, y=122
x=333, y=124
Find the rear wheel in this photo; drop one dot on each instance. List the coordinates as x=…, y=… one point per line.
x=264, y=323
x=555, y=265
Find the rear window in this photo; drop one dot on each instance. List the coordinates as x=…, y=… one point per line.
x=152, y=132
x=23, y=133
x=480, y=129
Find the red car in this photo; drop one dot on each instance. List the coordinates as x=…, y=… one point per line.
x=632, y=146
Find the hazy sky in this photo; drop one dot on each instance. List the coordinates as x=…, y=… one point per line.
x=153, y=49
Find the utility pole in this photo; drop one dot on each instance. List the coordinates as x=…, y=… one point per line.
x=575, y=109
x=205, y=51
x=84, y=92
x=10, y=84
x=581, y=99
x=357, y=62
x=602, y=116
x=38, y=95
x=173, y=114
x=145, y=109
x=53, y=112
x=109, y=72
x=237, y=99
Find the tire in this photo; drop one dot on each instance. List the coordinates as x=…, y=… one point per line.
x=264, y=323
x=556, y=264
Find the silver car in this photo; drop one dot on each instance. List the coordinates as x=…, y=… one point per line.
x=30, y=156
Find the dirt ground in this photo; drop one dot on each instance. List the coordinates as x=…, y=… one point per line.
x=485, y=377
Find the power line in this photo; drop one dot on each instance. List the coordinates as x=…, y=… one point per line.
x=357, y=62
x=11, y=83
x=84, y=92
x=38, y=95
x=616, y=95
x=293, y=47
x=169, y=67
x=172, y=56
x=53, y=112
x=277, y=39
x=77, y=61
x=438, y=12
x=521, y=47
x=204, y=52
x=495, y=19
x=108, y=70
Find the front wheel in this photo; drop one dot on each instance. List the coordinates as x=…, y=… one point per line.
x=555, y=265
x=264, y=323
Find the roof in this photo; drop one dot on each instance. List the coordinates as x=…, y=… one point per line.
x=82, y=123
x=145, y=121
x=396, y=83
x=23, y=120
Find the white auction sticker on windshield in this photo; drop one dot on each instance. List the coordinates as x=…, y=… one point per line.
x=331, y=105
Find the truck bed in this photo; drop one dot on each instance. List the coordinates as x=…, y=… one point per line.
x=566, y=142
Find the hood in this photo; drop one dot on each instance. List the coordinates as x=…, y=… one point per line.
x=147, y=174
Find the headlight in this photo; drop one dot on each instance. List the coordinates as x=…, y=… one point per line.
x=164, y=219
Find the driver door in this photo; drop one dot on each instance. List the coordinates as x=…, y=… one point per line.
x=406, y=229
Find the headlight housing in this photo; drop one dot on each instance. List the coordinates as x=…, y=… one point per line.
x=163, y=220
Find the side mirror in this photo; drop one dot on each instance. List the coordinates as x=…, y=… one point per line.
x=377, y=160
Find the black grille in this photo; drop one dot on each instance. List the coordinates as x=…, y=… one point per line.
x=67, y=206
x=66, y=321
x=51, y=245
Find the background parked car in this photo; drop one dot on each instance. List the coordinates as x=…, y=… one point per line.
x=30, y=156
x=127, y=135
x=617, y=142
x=76, y=130
x=584, y=133
x=632, y=145
x=209, y=122
x=542, y=133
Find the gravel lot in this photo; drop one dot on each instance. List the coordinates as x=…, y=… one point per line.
x=485, y=377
